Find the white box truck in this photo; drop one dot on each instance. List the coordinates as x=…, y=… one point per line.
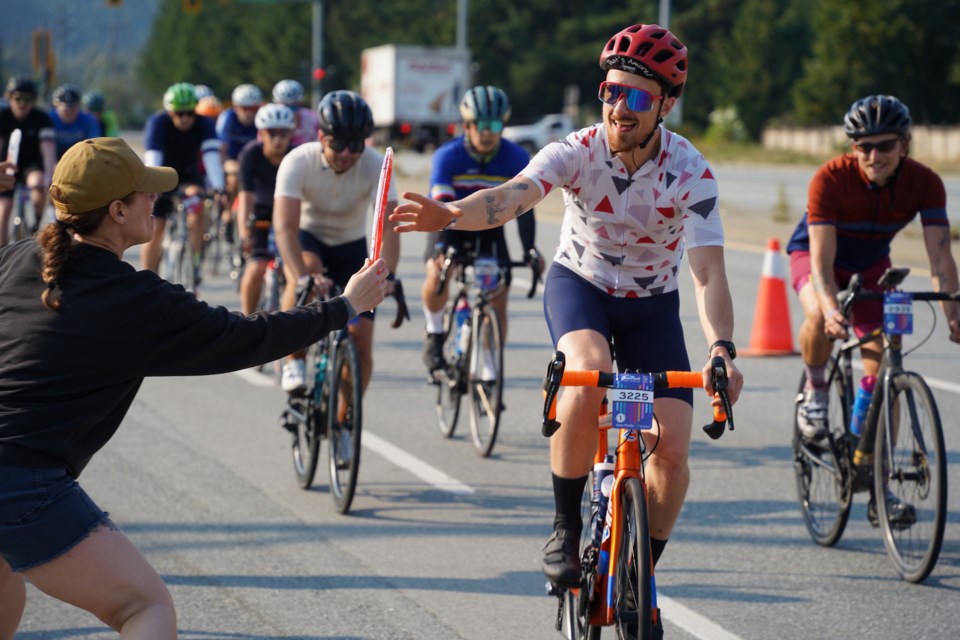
x=414, y=92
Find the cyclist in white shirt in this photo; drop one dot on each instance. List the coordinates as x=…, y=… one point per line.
x=320, y=214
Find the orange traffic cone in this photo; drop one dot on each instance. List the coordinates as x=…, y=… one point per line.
x=772, y=334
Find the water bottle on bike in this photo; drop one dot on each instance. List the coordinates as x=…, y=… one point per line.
x=861, y=403
x=461, y=316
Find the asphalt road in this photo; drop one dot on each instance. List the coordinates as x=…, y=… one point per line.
x=442, y=544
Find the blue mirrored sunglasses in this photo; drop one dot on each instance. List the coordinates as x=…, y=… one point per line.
x=637, y=99
x=495, y=126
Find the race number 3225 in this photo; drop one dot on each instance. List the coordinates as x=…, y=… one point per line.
x=632, y=399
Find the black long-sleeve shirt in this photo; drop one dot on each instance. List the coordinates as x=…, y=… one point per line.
x=68, y=377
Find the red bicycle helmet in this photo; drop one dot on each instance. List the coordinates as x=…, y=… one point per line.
x=651, y=51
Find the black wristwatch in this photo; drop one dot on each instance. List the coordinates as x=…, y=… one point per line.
x=726, y=344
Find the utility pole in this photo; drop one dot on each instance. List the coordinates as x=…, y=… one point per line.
x=317, y=73
x=675, y=118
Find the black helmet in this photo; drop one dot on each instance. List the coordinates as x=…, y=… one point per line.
x=67, y=94
x=345, y=116
x=93, y=101
x=877, y=114
x=21, y=84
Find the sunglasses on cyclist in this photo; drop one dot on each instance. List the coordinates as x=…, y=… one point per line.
x=354, y=145
x=637, y=99
x=884, y=146
x=23, y=99
x=279, y=133
x=184, y=114
x=494, y=126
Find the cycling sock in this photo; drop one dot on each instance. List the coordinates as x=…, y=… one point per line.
x=656, y=548
x=815, y=376
x=434, y=320
x=568, y=493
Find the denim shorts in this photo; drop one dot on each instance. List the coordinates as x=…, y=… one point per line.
x=43, y=514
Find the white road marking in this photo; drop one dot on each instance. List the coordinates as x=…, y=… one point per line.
x=427, y=473
x=691, y=621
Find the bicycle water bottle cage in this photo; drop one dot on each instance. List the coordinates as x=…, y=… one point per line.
x=551, y=385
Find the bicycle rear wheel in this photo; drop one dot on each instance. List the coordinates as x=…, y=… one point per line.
x=307, y=420
x=485, y=379
x=633, y=586
x=451, y=379
x=910, y=465
x=344, y=420
x=823, y=469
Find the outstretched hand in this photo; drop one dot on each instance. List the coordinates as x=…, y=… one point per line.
x=367, y=287
x=422, y=214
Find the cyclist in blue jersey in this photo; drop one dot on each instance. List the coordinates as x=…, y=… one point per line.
x=235, y=126
x=259, y=162
x=176, y=137
x=479, y=159
x=70, y=124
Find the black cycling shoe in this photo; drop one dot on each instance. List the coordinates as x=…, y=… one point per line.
x=561, y=558
x=433, y=351
x=900, y=514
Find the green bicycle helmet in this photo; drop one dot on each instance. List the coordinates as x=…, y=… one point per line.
x=180, y=97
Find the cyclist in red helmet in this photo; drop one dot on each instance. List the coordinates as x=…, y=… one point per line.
x=638, y=197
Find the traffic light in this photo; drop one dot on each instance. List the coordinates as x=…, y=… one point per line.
x=192, y=6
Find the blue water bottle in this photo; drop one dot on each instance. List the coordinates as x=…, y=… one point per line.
x=861, y=403
x=461, y=319
x=602, y=484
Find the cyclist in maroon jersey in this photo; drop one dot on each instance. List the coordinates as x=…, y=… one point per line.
x=857, y=203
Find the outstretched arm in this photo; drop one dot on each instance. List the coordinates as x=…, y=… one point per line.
x=485, y=209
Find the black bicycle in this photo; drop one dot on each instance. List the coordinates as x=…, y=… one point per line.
x=330, y=408
x=473, y=344
x=899, y=455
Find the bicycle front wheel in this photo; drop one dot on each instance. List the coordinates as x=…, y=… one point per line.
x=823, y=469
x=633, y=583
x=485, y=380
x=344, y=420
x=305, y=419
x=910, y=477
x=451, y=379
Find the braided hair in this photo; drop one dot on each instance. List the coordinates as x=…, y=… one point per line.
x=56, y=245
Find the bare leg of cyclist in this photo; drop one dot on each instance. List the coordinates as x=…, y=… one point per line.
x=6, y=208
x=127, y=594
x=573, y=446
x=150, y=252
x=362, y=334
x=251, y=285
x=13, y=598
x=667, y=472
x=38, y=197
x=815, y=347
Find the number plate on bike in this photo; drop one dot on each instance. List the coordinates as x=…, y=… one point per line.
x=633, y=401
x=898, y=312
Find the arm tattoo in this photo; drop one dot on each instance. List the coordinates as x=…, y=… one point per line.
x=492, y=209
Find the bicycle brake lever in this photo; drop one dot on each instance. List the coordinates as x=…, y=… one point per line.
x=719, y=373
x=551, y=385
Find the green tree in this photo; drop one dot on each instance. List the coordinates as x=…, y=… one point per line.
x=901, y=47
x=756, y=66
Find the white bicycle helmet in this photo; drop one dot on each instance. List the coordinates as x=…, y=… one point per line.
x=288, y=92
x=274, y=116
x=202, y=91
x=246, y=95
